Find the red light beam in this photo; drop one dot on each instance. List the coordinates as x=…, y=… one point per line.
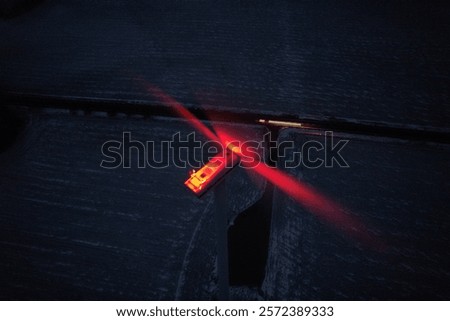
x=324, y=208
x=182, y=111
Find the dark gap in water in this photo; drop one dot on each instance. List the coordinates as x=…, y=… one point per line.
x=11, y=124
x=248, y=243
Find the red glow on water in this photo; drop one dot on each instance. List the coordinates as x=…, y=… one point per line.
x=182, y=111
x=315, y=202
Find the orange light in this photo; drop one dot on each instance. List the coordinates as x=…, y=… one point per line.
x=233, y=148
x=204, y=178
